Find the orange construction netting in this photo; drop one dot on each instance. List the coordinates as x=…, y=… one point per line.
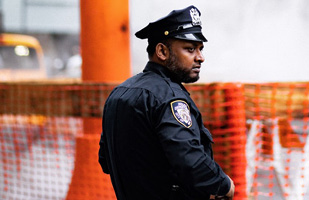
x=277, y=145
x=49, y=134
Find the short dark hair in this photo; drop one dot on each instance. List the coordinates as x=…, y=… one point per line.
x=151, y=48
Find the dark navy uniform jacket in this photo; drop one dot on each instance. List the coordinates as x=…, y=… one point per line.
x=154, y=142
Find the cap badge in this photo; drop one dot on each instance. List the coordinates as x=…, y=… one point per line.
x=195, y=17
x=181, y=113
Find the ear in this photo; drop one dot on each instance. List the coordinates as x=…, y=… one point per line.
x=162, y=51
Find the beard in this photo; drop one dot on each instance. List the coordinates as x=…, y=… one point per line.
x=179, y=72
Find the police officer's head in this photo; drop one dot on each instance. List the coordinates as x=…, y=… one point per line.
x=176, y=42
x=184, y=24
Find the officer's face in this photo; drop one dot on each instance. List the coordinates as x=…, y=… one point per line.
x=185, y=58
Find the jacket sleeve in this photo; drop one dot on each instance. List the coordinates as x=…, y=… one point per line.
x=198, y=174
x=102, y=155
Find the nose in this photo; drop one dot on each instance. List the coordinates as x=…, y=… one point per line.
x=199, y=56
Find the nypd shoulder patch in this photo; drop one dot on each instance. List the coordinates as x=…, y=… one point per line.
x=181, y=112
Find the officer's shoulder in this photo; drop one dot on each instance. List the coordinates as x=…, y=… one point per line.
x=154, y=83
x=162, y=87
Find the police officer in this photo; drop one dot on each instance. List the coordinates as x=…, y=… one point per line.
x=154, y=144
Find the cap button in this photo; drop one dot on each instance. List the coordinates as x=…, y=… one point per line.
x=166, y=33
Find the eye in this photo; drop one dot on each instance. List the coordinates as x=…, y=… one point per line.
x=191, y=49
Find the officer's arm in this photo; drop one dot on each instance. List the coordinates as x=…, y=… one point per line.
x=197, y=172
x=102, y=156
x=230, y=194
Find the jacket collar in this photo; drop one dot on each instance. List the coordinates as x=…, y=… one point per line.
x=158, y=69
x=163, y=72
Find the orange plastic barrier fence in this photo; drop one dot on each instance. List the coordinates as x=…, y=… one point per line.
x=40, y=126
x=260, y=133
x=36, y=156
x=222, y=107
x=278, y=143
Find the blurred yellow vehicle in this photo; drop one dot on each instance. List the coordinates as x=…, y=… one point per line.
x=21, y=58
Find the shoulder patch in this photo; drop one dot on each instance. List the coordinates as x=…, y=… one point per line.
x=181, y=112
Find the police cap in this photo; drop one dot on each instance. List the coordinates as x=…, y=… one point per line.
x=183, y=24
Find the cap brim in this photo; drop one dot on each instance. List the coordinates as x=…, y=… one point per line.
x=191, y=36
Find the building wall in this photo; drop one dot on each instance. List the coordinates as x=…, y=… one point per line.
x=249, y=40
x=41, y=16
